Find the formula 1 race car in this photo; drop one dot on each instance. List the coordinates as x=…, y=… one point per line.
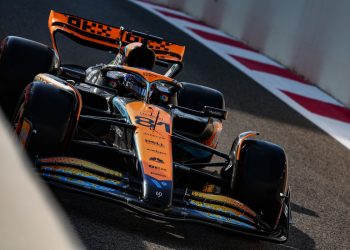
x=122, y=132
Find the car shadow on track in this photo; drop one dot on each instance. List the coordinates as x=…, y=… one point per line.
x=302, y=210
x=101, y=223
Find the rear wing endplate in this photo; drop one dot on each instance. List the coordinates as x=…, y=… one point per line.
x=106, y=37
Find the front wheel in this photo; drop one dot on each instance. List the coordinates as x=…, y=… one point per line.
x=261, y=179
x=46, y=118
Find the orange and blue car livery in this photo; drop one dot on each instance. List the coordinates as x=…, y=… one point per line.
x=153, y=190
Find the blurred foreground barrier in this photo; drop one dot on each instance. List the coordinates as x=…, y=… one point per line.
x=29, y=217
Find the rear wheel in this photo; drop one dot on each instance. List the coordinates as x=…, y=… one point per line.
x=20, y=60
x=261, y=178
x=194, y=96
x=45, y=119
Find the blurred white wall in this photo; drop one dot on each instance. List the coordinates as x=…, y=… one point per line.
x=29, y=217
x=310, y=37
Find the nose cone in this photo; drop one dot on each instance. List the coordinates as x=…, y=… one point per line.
x=157, y=193
x=154, y=151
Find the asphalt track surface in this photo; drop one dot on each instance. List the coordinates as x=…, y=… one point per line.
x=319, y=171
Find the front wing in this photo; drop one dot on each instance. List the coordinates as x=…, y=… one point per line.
x=187, y=205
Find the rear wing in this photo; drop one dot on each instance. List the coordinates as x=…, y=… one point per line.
x=106, y=37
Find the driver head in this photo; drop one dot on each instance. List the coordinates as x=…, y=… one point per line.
x=137, y=55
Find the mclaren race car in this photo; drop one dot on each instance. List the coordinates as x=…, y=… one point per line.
x=122, y=132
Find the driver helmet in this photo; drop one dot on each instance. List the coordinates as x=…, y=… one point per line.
x=137, y=55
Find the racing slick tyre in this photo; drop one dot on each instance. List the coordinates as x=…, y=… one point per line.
x=46, y=117
x=194, y=96
x=261, y=178
x=20, y=60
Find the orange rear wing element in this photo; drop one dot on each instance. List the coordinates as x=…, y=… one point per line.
x=106, y=37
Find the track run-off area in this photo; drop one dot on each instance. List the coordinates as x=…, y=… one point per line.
x=318, y=164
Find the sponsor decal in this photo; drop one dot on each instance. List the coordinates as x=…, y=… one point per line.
x=156, y=151
x=155, y=135
x=156, y=167
x=155, y=143
x=156, y=159
x=161, y=175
